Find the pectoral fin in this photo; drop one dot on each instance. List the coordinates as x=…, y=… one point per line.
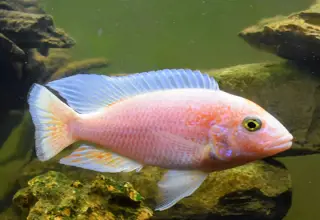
x=175, y=185
x=100, y=160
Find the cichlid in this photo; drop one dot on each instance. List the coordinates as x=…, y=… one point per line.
x=175, y=119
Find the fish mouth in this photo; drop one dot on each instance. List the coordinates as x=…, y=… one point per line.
x=281, y=144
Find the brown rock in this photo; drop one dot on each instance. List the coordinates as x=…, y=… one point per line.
x=33, y=30
x=294, y=37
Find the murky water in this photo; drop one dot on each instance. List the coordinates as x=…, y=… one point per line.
x=141, y=35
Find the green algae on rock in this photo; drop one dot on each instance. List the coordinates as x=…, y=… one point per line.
x=294, y=37
x=266, y=185
x=54, y=61
x=259, y=190
x=33, y=30
x=78, y=66
x=26, y=35
x=21, y=32
x=54, y=196
x=10, y=49
x=31, y=6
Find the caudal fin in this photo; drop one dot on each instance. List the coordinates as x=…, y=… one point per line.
x=51, y=118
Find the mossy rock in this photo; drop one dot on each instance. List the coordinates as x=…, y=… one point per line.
x=54, y=196
x=294, y=37
x=259, y=190
x=31, y=6
x=11, y=49
x=29, y=30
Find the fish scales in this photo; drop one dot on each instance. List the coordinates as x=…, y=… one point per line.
x=126, y=127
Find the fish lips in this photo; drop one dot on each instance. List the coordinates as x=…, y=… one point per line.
x=281, y=144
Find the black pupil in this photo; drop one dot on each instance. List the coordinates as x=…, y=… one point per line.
x=252, y=125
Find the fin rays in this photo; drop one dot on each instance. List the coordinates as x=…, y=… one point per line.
x=50, y=117
x=89, y=92
x=176, y=185
x=100, y=160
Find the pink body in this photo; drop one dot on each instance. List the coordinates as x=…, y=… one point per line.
x=133, y=127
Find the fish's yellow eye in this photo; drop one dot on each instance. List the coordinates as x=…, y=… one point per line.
x=252, y=124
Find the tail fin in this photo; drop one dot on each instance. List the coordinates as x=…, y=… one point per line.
x=51, y=118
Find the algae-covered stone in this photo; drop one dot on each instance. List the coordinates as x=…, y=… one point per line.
x=259, y=190
x=54, y=196
x=79, y=66
x=33, y=30
x=11, y=5
x=294, y=37
x=10, y=49
x=31, y=6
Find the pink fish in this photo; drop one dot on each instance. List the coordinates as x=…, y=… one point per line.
x=174, y=119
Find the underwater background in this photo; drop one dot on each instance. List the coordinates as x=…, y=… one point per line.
x=127, y=36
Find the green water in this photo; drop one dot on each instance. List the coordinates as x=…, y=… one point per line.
x=140, y=35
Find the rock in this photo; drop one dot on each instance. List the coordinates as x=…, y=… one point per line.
x=31, y=6
x=20, y=31
x=54, y=196
x=25, y=40
x=294, y=37
x=79, y=66
x=33, y=30
x=56, y=59
x=252, y=191
x=259, y=190
x=10, y=49
x=11, y=5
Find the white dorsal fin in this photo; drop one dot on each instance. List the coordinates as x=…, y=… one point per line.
x=88, y=92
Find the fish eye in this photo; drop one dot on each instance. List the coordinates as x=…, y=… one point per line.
x=252, y=124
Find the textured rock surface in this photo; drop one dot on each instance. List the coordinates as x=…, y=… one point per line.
x=26, y=35
x=24, y=29
x=294, y=37
x=31, y=6
x=54, y=196
x=29, y=30
x=10, y=49
x=257, y=190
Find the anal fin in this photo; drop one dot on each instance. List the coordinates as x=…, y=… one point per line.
x=91, y=158
x=176, y=185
